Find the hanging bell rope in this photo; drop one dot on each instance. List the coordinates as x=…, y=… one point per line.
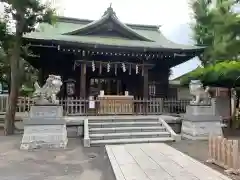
x=123, y=67
x=93, y=66
x=108, y=67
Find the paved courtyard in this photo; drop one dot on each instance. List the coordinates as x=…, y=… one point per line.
x=130, y=162
x=75, y=163
x=157, y=162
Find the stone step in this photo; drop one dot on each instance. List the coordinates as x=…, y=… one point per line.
x=124, y=120
x=129, y=135
x=127, y=129
x=134, y=140
x=122, y=124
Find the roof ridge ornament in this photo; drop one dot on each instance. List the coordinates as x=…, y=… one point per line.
x=109, y=11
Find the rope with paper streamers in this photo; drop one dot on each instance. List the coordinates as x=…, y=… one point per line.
x=108, y=65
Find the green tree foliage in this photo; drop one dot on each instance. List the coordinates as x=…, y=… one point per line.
x=222, y=74
x=25, y=14
x=28, y=74
x=217, y=28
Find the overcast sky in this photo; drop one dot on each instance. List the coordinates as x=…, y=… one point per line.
x=130, y=11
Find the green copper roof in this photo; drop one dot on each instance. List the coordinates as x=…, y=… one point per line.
x=78, y=31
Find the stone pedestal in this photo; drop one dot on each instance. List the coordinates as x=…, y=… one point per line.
x=200, y=121
x=45, y=128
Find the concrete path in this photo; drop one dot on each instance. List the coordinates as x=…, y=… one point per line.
x=157, y=162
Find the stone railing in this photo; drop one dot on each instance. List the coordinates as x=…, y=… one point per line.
x=86, y=139
x=174, y=135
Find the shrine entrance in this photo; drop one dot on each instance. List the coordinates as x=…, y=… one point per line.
x=111, y=86
x=113, y=78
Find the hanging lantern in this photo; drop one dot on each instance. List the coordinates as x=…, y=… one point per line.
x=93, y=66
x=108, y=67
x=137, y=69
x=123, y=67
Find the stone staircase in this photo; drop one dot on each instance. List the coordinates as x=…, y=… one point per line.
x=130, y=130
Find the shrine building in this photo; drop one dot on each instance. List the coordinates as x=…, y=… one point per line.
x=107, y=56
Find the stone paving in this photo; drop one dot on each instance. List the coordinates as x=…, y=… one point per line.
x=157, y=162
x=129, y=162
x=74, y=163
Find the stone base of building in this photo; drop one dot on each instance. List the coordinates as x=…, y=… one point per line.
x=199, y=122
x=44, y=136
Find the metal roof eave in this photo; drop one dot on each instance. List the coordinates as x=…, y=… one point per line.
x=71, y=44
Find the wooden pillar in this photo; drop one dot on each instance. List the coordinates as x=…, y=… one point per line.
x=118, y=87
x=145, y=83
x=41, y=76
x=108, y=86
x=83, y=81
x=99, y=85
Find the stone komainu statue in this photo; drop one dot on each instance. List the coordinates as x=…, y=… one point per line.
x=201, y=95
x=47, y=93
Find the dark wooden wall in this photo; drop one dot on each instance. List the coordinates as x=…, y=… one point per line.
x=62, y=64
x=159, y=76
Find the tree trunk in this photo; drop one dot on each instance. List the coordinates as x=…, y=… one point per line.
x=12, y=101
x=232, y=94
x=237, y=109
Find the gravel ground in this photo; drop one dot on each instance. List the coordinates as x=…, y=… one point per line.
x=74, y=163
x=199, y=151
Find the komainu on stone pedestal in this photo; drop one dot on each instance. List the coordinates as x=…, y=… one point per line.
x=201, y=95
x=45, y=126
x=46, y=95
x=200, y=119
